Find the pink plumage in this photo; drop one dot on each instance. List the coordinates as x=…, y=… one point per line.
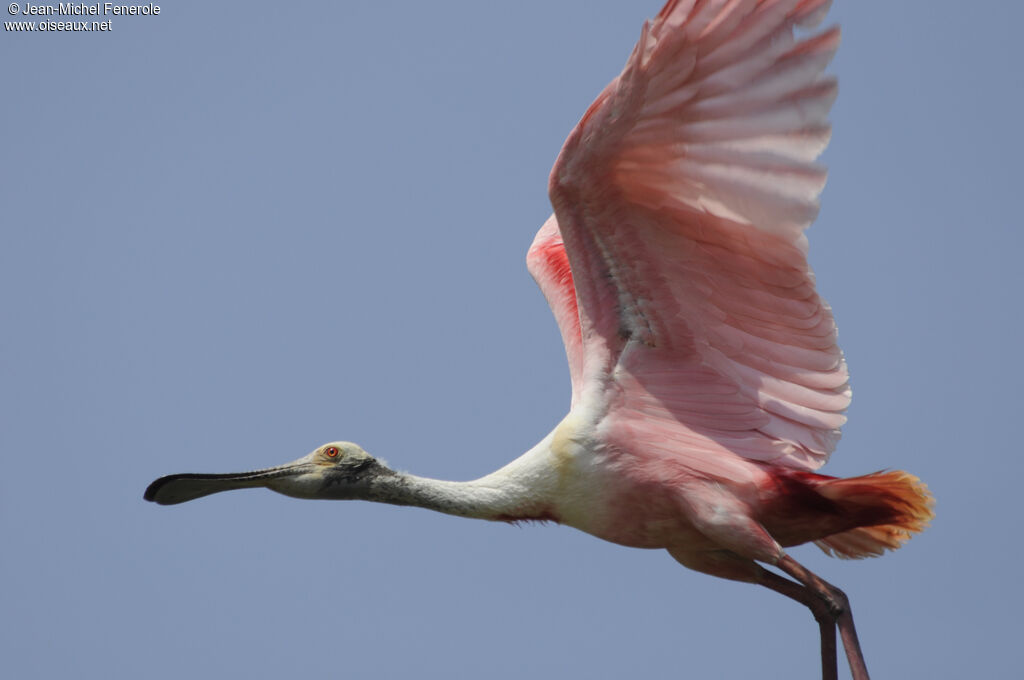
x=703, y=360
x=682, y=197
x=707, y=384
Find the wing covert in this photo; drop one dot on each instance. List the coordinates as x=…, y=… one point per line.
x=548, y=263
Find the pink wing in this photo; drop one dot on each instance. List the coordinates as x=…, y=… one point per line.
x=682, y=197
x=549, y=265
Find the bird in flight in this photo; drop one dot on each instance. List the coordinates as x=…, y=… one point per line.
x=707, y=385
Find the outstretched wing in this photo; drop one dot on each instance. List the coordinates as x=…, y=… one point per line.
x=548, y=264
x=682, y=197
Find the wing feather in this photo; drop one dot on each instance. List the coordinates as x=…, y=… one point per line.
x=681, y=200
x=548, y=264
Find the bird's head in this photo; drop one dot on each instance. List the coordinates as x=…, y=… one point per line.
x=336, y=471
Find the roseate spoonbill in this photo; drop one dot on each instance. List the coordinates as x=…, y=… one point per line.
x=707, y=385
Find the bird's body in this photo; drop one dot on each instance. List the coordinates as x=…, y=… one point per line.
x=707, y=384
x=575, y=478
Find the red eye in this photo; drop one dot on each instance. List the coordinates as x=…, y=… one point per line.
x=331, y=452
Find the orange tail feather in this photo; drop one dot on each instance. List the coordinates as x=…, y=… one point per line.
x=899, y=497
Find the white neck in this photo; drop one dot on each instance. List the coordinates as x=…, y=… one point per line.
x=523, y=489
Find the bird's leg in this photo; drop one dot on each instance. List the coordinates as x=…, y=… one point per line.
x=839, y=607
x=727, y=564
x=822, y=614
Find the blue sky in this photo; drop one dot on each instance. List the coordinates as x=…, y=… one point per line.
x=234, y=231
